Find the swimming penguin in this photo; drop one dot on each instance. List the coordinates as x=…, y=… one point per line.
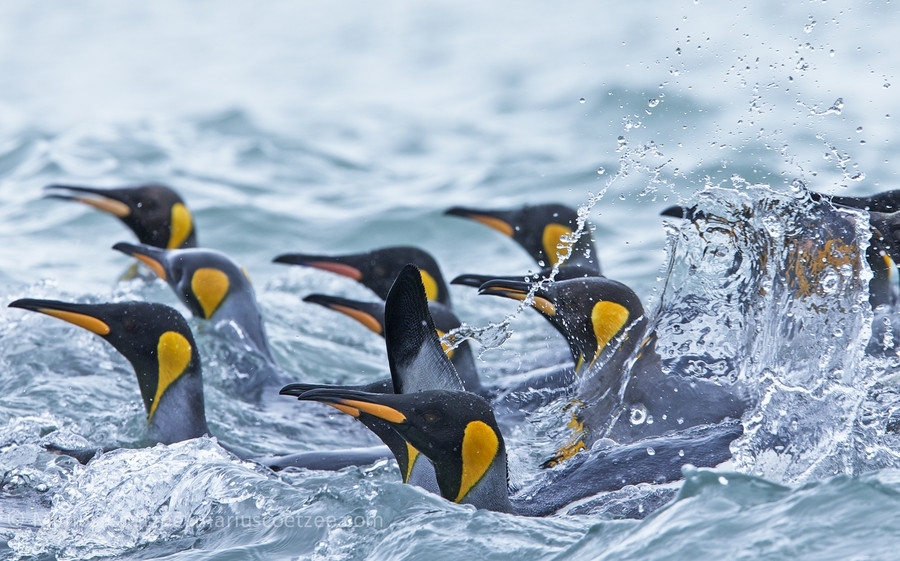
x=540, y=230
x=215, y=288
x=417, y=363
x=458, y=433
x=158, y=343
x=371, y=315
x=377, y=269
x=883, y=252
x=623, y=392
x=155, y=213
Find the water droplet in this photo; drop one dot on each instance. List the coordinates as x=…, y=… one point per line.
x=680, y=420
x=723, y=480
x=838, y=332
x=582, y=100
x=651, y=451
x=681, y=453
x=809, y=27
x=831, y=53
x=653, y=102
x=859, y=129
x=859, y=176
x=887, y=85
x=638, y=414
x=621, y=140
x=601, y=171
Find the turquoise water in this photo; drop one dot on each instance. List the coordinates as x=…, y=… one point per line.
x=349, y=126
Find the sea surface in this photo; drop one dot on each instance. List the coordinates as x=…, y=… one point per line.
x=346, y=126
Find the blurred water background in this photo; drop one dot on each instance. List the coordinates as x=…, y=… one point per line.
x=345, y=126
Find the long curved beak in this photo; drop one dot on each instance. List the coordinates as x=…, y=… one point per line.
x=82, y=315
x=101, y=199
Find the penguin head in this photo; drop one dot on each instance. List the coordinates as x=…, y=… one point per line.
x=457, y=431
x=591, y=313
x=203, y=279
x=377, y=269
x=155, y=213
x=157, y=342
x=542, y=230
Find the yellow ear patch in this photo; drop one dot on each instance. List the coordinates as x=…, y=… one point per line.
x=495, y=223
x=360, y=316
x=173, y=352
x=552, y=239
x=411, y=456
x=431, y=286
x=479, y=448
x=210, y=286
x=182, y=224
x=608, y=318
x=92, y=324
x=448, y=348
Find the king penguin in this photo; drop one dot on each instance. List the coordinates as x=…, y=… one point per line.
x=216, y=289
x=378, y=268
x=546, y=232
x=623, y=392
x=155, y=213
x=417, y=362
x=458, y=432
x=158, y=343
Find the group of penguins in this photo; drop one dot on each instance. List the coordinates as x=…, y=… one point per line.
x=434, y=416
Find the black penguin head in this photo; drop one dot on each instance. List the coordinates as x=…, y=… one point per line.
x=155, y=213
x=591, y=313
x=377, y=269
x=457, y=431
x=540, y=230
x=154, y=338
x=202, y=278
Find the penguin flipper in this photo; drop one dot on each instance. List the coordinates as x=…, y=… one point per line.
x=613, y=468
x=328, y=460
x=416, y=358
x=83, y=455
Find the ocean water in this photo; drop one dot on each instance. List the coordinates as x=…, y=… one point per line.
x=347, y=126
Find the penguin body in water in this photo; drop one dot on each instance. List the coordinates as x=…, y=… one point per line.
x=883, y=253
x=378, y=268
x=216, y=289
x=622, y=390
x=551, y=235
x=458, y=432
x=158, y=343
x=418, y=363
x=156, y=214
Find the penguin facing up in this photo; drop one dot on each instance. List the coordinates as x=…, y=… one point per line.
x=547, y=232
x=378, y=268
x=623, y=392
x=418, y=363
x=371, y=315
x=155, y=213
